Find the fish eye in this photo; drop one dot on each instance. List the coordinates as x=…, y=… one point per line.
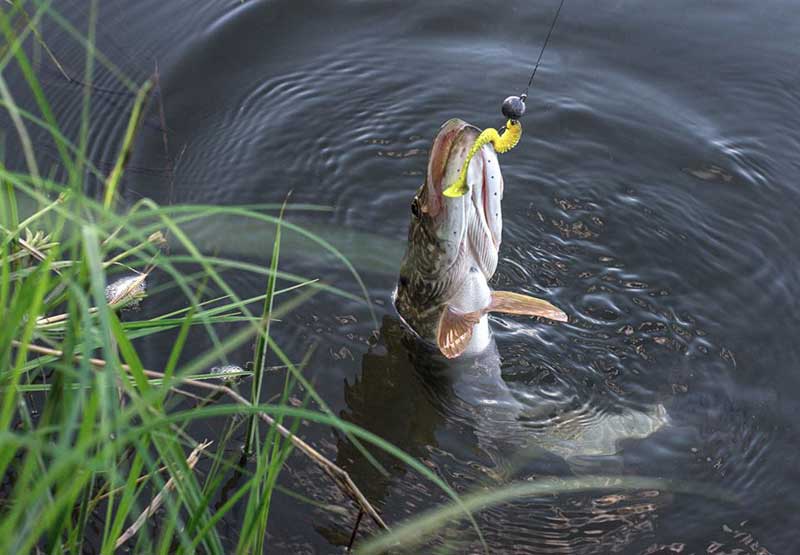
x=415, y=207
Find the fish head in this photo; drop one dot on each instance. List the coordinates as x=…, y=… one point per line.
x=451, y=237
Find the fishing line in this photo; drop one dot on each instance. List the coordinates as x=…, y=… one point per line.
x=524, y=95
x=509, y=135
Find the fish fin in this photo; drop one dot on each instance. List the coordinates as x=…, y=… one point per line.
x=455, y=330
x=517, y=303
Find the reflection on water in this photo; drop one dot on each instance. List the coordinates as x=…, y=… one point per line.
x=653, y=197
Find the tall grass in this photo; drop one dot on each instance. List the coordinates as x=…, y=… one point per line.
x=87, y=432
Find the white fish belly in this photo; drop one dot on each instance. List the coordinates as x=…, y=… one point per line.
x=473, y=295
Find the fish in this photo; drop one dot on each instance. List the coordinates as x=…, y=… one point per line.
x=442, y=291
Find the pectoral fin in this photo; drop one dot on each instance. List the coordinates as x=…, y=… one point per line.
x=455, y=331
x=516, y=303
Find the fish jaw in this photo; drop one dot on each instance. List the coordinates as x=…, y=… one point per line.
x=485, y=225
x=470, y=225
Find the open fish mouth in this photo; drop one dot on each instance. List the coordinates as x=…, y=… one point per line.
x=471, y=223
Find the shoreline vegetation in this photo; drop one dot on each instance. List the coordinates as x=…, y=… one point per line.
x=92, y=438
x=86, y=428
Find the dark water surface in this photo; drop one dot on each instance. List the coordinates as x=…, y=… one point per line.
x=654, y=198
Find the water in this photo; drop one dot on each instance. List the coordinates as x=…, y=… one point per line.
x=653, y=198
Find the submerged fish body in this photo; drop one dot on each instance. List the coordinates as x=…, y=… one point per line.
x=515, y=426
x=453, y=242
x=513, y=418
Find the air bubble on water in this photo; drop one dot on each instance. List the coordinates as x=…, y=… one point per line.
x=127, y=292
x=224, y=372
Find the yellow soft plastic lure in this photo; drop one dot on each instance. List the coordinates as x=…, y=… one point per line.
x=502, y=143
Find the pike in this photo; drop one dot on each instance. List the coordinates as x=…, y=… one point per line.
x=442, y=292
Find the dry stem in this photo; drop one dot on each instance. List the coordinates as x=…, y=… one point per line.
x=339, y=476
x=194, y=456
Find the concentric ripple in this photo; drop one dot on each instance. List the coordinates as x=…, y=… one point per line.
x=653, y=198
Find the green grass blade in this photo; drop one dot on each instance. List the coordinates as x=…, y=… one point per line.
x=127, y=143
